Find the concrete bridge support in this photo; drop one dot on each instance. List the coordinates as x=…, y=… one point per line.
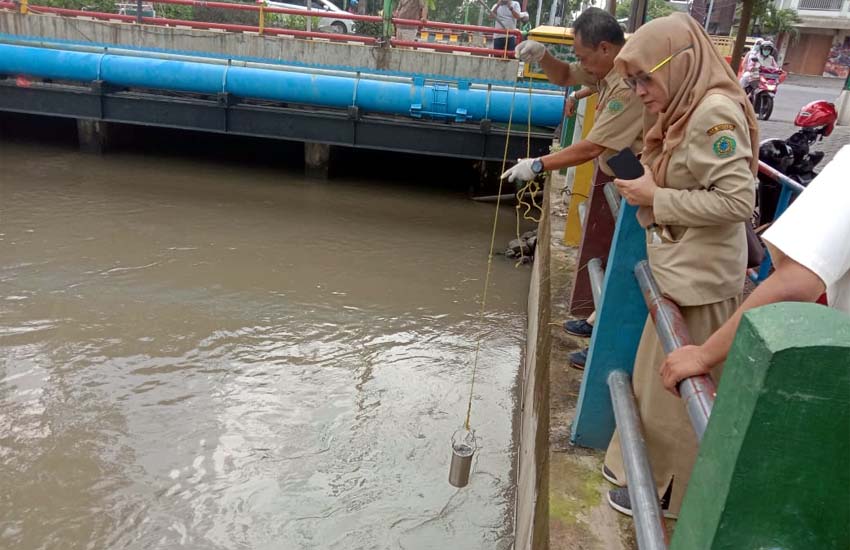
x=93, y=135
x=317, y=160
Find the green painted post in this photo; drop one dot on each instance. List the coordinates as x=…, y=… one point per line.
x=388, y=20
x=773, y=470
x=568, y=129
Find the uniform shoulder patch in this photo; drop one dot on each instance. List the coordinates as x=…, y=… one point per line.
x=719, y=128
x=615, y=105
x=724, y=146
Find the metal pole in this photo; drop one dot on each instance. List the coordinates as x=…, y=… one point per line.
x=596, y=275
x=612, y=195
x=139, y=11
x=697, y=391
x=637, y=15
x=708, y=15
x=649, y=524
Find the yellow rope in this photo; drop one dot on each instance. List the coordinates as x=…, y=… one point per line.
x=490, y=261
x=526, y=188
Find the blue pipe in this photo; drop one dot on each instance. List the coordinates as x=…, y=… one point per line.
x=371, y=95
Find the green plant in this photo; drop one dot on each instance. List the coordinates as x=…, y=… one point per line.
x=779, y=21
x=655, y=9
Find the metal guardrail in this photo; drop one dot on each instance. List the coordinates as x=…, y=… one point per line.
x=790, y=188
x=265, y=25
x=697, y=394
x=612, y=195
x=597, y=277
x=649, y=523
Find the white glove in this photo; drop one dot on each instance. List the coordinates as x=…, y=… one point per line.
x=529, y=51
x=520, y=171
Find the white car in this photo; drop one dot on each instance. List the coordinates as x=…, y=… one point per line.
x=327, y=19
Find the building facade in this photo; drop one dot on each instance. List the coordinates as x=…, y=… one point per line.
x=823, y=45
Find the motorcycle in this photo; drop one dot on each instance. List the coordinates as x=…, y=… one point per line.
x=793, y=156
x=762, y=91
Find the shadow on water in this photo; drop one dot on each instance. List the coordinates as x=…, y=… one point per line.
x=387, y=168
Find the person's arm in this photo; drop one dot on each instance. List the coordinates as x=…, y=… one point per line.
x=424, y=13
x=791, y=282
x=719, y=157
x=556, y=70
x=515, y=10
x=572, y=100
x=577, y=153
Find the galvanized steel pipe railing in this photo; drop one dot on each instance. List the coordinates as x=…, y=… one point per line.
x=597, y=276
x=697, y=391
x=612, y=195
x=649, y=523
x=781, y=178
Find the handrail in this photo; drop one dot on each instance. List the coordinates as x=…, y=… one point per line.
x=649, y=523
x=697, y=391
x=789, y=188
x=262, y=9
x=781, y=178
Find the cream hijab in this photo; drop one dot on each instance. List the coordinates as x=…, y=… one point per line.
x=688, y=78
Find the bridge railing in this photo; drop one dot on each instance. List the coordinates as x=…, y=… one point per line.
x=462, y=39
x=790, y=189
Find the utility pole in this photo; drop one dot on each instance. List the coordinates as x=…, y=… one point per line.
x=743, y=30
x=637, y=15
x=611, y=7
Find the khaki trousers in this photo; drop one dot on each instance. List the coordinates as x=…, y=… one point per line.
x=670, y=440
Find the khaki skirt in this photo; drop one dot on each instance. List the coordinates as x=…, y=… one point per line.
x=670, y=440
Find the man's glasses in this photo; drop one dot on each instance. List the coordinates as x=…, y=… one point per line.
x=643, y=78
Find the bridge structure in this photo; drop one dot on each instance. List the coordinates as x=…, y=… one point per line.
x=321, y=88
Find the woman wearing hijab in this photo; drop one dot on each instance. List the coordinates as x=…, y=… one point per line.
x=701, y=156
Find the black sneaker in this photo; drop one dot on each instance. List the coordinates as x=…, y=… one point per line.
x=619, y=500
x=609, y=475
x=578, y=359
x=579, y=327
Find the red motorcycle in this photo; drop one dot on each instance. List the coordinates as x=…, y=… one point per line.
x=762, y=92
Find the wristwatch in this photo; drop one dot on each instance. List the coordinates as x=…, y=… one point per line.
x=537, y=166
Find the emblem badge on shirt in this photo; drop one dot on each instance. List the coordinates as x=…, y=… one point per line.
x=719, y=128
x=615, y=106
x=724, y=146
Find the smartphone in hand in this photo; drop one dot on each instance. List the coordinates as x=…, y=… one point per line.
x=626, y=165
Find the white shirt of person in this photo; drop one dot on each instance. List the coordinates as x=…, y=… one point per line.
x=504, y=17
x=815, y=230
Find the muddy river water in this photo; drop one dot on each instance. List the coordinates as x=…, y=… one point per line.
x=217, y=355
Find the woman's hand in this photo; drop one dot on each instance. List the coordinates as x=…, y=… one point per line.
x=683, y=363
x=639, y=192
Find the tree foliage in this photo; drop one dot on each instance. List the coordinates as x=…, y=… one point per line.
x=654, y=10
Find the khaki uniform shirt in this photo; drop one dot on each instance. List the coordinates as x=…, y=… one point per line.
x=619, y=114
x=699, y=254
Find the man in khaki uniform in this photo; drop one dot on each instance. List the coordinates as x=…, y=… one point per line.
x=619, y=114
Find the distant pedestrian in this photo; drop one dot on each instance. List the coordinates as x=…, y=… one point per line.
x=410, y=9
x=506, y=13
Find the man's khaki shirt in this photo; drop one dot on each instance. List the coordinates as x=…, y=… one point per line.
x=619, y=114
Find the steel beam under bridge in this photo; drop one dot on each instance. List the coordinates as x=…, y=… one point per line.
x=481, y=141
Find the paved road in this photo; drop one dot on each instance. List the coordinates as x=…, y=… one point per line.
x=792, y=95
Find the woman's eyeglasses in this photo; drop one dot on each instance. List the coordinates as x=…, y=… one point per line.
x=643, y=78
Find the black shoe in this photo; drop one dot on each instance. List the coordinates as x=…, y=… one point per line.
x=579, y=327
x=609, y=475
x=578, y=359
x=619, y=500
